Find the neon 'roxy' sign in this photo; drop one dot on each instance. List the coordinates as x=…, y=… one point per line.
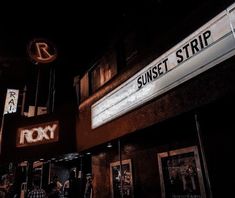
x=38, y=134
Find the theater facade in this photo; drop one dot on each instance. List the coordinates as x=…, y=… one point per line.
x=158, y=122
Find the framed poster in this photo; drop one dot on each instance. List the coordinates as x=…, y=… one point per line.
x=180, y=174
x=121, y=183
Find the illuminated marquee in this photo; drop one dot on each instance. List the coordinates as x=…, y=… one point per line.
x=210, y=45
x=38, y=134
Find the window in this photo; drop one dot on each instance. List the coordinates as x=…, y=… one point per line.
x=84, y=87
x=104, y=70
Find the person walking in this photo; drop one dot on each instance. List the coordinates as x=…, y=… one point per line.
x=89, y=188
x=71, y=186
x=37, y=192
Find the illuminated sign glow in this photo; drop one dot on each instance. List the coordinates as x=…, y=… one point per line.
x=42, y=51
x=211, y=44
x=11, y=101
x=38, y=134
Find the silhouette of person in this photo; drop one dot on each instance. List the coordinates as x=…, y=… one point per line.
x=71, y=186
x=37, y=192
x=89, y=188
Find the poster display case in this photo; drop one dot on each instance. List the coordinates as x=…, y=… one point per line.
x=121, y=183
x=181, y=173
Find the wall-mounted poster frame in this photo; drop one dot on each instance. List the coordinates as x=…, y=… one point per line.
x=126, y=187
x=181, y=173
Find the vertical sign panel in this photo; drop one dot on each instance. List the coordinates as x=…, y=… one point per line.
x=11, y=101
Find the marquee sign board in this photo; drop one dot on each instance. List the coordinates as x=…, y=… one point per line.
x=43, y=133
x=210, y=45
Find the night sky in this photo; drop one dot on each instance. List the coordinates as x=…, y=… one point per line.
x=81, y=31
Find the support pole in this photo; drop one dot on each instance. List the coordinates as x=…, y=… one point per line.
x=1, y=131
x=37, y=91
x=201, y=147
x=53, y=91
x=120, y=159
x=23, y=100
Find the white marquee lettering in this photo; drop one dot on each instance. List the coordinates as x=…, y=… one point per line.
x=208, y=46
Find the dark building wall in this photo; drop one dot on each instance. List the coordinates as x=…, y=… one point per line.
x=217, y=127
x=149, y=45
x=201, y=90
x=142, y=148
x=165, y=123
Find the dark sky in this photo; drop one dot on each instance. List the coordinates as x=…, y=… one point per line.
x=81, y=31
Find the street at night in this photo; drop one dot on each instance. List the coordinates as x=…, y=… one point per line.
x=117, y=99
